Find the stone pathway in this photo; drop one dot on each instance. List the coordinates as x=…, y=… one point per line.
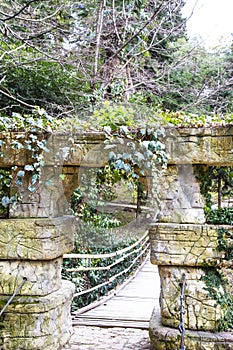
x=96, y=338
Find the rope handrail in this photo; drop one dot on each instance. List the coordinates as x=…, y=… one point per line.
x=13, y=295
x=105, y=255
x=111, y=279
x=108, y=267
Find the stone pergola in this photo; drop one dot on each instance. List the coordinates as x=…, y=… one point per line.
x=38, y=231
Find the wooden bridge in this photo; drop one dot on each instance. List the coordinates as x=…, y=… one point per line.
x=121, y=320
x=130, y=305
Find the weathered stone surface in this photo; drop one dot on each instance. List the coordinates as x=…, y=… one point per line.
x=166, y=338
x=183, y=244
x=201, y=311
x=47, y=200
x=64, y=148
x=43, y=277
x=200, y=145
x=31, y=323
x=184, y=146
x=179, y=196
x=36, y=239
x=102, y=338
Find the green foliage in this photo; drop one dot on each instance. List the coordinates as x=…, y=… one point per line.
x=216, y=185
x=218, y=282
x=220, y=216
x=5, y=182
x=217, y=287
x=30, y=136
x=88, y=199
x=199, y=83
x=225, y=243
x=94, y=240
x=114, y=116
x=183, y=119
x=47, y=85
x=135, y=154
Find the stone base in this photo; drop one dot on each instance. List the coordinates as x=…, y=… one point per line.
x=165, y=338
x=37, y=323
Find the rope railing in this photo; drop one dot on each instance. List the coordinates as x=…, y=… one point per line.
x=105, y=255
x=140, y=247
x=13, y=295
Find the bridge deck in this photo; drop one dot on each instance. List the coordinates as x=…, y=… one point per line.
x=130, y=306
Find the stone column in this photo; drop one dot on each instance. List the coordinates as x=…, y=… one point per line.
x=180, y=243
x=39, y=316
x=32, y=242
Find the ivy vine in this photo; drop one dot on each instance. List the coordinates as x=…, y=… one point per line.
x=216, y=185
x=30, y=132
x=135, y=154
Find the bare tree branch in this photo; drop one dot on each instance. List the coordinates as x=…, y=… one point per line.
x=9, y=17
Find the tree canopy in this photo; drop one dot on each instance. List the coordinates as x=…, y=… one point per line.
x=69, y=57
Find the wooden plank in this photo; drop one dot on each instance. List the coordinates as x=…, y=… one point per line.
x=130, y=307
x=111, y=323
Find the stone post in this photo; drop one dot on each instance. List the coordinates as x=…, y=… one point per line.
x=181, y=242
x=33, y=240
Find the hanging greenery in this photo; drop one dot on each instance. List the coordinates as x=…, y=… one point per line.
x=30, y=133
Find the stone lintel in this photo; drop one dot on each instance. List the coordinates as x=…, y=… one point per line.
x=204, y=145
x=36, y=239
x=64, y=148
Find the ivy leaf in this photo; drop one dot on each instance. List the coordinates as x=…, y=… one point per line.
x=20, y=173
x=108, y=130
x=149, y=154
x=139, y=156
x=145, y=144
x=120, y=140
x=127, y=156
x=19, y=181
x=119, y=164
x=124, y=129
x=29, y=167
x=109, y=146
x=5, y=201
x=35, y=178
x=127, y=168
x=112, y=155
x=31, y=188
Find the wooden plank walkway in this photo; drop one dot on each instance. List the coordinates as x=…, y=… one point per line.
x=129, y=307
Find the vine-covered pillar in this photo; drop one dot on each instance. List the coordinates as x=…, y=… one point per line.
x=33, y=240
x=185, y=248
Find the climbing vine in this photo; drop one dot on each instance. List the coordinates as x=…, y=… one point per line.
x=134, y=155
x=216, y=185
x=29, y=134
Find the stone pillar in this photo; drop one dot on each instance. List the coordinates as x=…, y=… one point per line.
x=32, y=242
x=181, y=242
x=39, y=316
